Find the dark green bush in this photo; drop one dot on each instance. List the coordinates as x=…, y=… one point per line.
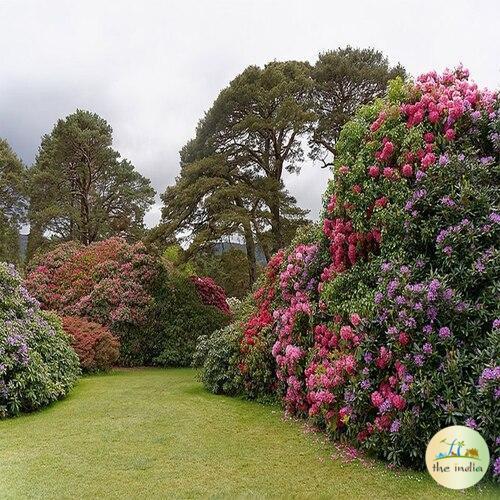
x=176, y=320
x=217, y=355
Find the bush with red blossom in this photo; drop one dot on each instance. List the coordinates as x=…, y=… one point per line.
x=97, y=348
x=211, y=293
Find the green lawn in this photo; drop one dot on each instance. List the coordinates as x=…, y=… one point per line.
x=157, y=433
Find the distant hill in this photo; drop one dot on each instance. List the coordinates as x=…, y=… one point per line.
x=220, y=248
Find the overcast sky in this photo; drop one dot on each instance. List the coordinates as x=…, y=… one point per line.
x=151, y=68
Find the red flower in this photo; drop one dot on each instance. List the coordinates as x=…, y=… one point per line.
x=407, y=170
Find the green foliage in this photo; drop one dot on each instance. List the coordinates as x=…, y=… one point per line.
x=217, y=355
x=227, y=269
x=176, y=320
x=81, y=189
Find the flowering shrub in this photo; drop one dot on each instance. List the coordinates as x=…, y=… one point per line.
x=37, y=363
x=97, y=348
x=211, y=293
x=107, y=282
x=384, y=328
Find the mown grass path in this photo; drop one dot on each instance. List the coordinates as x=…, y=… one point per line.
x=152, y=433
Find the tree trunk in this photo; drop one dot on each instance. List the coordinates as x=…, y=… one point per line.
x=261, y=242
x=276, y=231
x=250, y=247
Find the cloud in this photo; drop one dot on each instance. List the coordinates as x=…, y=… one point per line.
x=152, y=68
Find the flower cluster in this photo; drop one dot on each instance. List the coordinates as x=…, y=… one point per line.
x=97, y=348
x=211, y=293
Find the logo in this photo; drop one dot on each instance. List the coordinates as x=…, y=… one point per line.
x=457, y=457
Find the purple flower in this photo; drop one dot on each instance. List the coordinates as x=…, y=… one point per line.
x=365, y=384
x=475, y=115
x=392, y=287
x=444, y=159
x=494, y=217
x=433, y=289
x=448, y=250
x=432, y=313
x=486, y=160
x=419, y=175
x=447, y=201
x=395, y=426
x=427, y=348
x=427, y=329
x=378, y=297
x=392, y=330
x=448, y=294
x=444, y=332
x=385, y=406
x=471, y=423
x=404, y=270
x=418, y=359
x=496, y=467
x=386, y=266
x=368, y=357
x=496, y=324
x=349, y=396
x=488, y=375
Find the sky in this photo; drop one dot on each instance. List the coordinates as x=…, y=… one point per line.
x=152, y=68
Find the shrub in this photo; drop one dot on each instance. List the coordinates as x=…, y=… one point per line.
x=385, y=326
x=97, y=348
x=107, y=282
x=37, y=363
x=217, y=355
x=176, y=320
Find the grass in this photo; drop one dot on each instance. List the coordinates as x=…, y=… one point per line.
x=157, y=433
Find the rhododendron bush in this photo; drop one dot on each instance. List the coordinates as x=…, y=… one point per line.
x=97, y=348
x=384, y=327
x=108, y=281
x=37, y=363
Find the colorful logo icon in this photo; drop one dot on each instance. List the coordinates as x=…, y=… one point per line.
x=457, y=457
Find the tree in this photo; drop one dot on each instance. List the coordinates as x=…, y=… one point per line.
x=80, y=187
x=345, y=79
x=207, y=202
x=257, y=124
x=12, y=202
x=213, y=199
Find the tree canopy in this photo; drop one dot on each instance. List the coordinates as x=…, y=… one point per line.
x=344, y=80
x=231, y=179
x=80, y=187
